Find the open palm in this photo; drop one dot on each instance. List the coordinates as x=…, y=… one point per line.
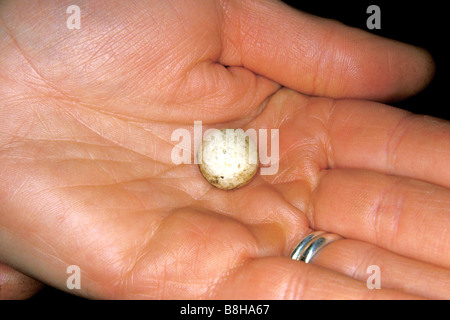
x=87, y=177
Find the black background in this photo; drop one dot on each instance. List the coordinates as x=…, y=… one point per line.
x=419, y=23
x=422, y=24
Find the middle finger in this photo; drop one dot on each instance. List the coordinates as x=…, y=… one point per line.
x=406, y=216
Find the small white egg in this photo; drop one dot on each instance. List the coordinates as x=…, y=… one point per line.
x=228, y=158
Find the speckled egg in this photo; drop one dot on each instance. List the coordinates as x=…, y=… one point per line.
x=228, y=158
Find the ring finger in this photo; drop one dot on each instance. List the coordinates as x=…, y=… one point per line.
x=374, y=265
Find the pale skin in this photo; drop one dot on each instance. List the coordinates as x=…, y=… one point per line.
x=86, y=118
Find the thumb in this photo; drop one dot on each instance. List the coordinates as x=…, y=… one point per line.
x=317, y=56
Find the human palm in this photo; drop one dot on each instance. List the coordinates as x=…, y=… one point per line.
x=88, y=178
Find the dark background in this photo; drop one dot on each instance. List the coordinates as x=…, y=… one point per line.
x=422, y=24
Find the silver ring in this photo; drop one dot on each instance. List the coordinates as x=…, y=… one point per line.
x=312, y=244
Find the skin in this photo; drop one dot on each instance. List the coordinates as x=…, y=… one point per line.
x=15, y=285
x=86, y=118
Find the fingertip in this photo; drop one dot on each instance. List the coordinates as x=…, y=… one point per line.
x=14, y=285
x=427, y=68
x=365, y=66
x=412, y=69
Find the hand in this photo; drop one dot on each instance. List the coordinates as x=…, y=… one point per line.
x=85, y=147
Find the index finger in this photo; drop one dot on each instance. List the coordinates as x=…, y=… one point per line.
x=368, y=135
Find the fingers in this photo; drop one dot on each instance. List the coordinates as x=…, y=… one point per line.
x=405, y=216
x=284, y=278
x=353, y=258
x=15, y=285
x=378, y=137
x=317, y=56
